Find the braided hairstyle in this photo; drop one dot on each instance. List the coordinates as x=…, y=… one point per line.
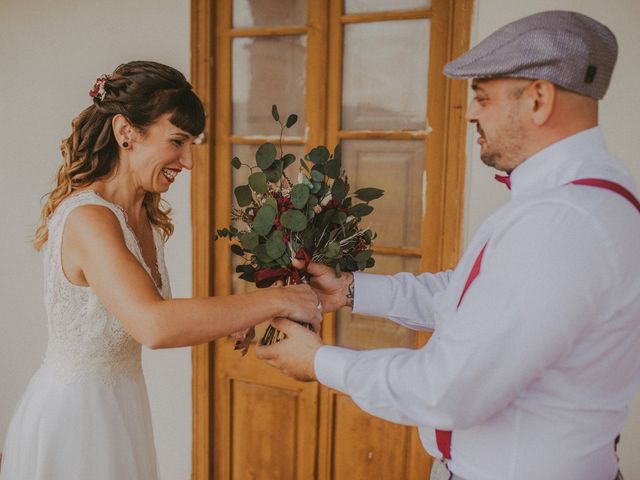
x=141, y=92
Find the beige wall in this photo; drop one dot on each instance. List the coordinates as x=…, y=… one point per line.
x=51, y=53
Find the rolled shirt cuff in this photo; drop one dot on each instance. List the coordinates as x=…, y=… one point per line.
x=331, y=364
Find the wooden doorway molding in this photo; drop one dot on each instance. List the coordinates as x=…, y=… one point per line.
x=446, y=187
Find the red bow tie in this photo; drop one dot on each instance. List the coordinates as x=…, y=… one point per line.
x=506, y=179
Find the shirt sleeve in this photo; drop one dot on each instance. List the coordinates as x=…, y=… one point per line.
x=536, y=293
x=404, y=298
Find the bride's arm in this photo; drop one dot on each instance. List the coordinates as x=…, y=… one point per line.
x=94, y=247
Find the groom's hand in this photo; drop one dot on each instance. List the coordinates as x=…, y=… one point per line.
x=295, y=354
x=333, y=292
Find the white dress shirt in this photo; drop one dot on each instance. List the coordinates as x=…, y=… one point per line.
x=534, y=371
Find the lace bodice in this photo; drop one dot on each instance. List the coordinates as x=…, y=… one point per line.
x=86, y=342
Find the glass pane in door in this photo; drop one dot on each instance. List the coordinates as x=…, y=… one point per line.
x=385, y=75
x=268, y=70
x=267, y=13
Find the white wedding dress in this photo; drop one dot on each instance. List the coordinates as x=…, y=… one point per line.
x=85, y=414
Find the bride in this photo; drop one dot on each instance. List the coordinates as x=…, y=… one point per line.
x=85, y=413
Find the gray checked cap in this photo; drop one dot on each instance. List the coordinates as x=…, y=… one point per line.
x=568, y=49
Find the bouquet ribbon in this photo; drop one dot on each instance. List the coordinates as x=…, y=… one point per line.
x=268, y=276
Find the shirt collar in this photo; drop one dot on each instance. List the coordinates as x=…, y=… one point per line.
x=559, y=163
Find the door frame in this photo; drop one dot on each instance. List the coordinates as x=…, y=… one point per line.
x=445, y=182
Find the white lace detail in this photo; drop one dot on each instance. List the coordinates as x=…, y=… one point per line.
x=86, y=342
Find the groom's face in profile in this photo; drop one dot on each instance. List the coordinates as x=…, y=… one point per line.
x=497, y=110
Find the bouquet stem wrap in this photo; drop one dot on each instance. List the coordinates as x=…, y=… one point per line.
x=289, y=276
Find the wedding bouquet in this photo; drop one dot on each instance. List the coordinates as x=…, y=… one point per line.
x=317, y=219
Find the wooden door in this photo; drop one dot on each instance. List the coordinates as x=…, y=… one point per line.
x=366, y=74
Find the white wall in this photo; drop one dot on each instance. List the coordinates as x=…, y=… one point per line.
x=51, y=53
x=619, y=117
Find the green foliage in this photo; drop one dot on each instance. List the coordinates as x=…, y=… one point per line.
x=294, y=220
x=264, y=220
x=258, y=182
x=300, y=195
x=277, y=218
x=243, y=195
x=266, y=155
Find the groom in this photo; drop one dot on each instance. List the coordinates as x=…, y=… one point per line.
x=536, y=332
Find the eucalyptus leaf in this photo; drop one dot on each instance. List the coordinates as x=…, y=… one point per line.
x=284, y=260
x=327, y=217
x=274, y=113
x=237, y=249
x=262, y=255
x=258, y=182
x=338, y=191
x=368, y=194
x=263, y=222
x=266, y=155
x=317, y=175
x=248, y=276
x=294, y=220
x=249, y=240
x=319, y=155
x=245, y=268
x=236, y=163
x=348, y=264
x=333, y=250
x=272, y=203
x=324, y=188
x=243, y=195
x=337, y=153
x=291, y=121
x=304, y=165
x=363, y=256
x=333, y=168
x=341, y=217
x=299, y=195
x=361, y=210
x=275, y=246
x=288, y=159
x=316, y=187
x=274, y=172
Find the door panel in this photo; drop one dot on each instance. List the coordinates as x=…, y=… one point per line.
x=397, y=167
x=366, y=74
x=383, y=454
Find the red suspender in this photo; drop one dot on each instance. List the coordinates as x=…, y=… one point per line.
x=443, y=437
x=614, y=187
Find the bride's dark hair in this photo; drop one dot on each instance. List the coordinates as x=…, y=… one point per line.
x=141, y=92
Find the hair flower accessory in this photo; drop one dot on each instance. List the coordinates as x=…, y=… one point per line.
x=98, y=88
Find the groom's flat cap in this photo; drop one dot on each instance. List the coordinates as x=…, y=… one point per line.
x=568, y=49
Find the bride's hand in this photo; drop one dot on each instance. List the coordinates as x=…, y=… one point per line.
x=242, y=340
